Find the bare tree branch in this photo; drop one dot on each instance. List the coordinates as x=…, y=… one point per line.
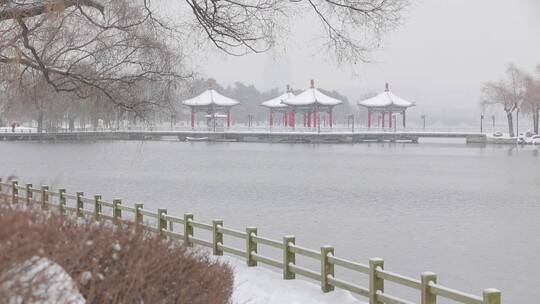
x=10, y=10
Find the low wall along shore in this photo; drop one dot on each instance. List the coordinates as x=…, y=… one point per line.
x=160, y=222
x=247, y=136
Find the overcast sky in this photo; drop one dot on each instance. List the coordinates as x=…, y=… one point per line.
x=439, y=57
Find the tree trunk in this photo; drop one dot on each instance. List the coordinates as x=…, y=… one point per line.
x=536, y=116
x=40, y=122
x=510, y=123
x=71, y=124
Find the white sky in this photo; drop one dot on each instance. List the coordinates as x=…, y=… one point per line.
x=439, y=57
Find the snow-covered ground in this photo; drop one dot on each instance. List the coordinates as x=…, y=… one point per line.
x=18, y=129
x=252, y=285
x=257, y=285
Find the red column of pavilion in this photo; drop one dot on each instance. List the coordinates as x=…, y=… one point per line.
x=369, y=119
x=290, y=118
x=383, y=115
x=315, y=118
x=390, y=118
x=192, y=118
x=330, y=117
x=228, y=118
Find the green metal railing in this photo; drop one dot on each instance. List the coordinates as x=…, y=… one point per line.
x=427, y=285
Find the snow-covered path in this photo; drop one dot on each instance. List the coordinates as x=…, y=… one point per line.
x=257, y=285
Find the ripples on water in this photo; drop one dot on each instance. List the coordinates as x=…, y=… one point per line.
x=469, y=213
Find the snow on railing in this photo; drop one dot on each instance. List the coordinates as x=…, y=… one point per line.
x=428, y=286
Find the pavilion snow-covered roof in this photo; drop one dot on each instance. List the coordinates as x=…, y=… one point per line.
x=278, y=101
x=312, y=96
x=386, y=99
x=210, y=97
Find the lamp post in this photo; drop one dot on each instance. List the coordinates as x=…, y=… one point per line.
x=318, y=122
x=481, y=123
x=350, y=120
x=251, y=117
x=517, y=122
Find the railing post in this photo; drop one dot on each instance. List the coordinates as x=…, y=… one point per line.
x=288, y=257
x=80, y=204
x=29, y=194
x=251, y=246
x=138, y=214
x=327, y=268
x=97, y=206
x=44, y=197
x=14, y=192
x=62, y=200
x=117, y=212
x=375, y=283
x=188, y=229
x=162, y=223
x=217, y=237
x=492, y=296
x=427, y=296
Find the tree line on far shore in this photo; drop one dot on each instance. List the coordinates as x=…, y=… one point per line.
x=53, y=111
x=518, y=92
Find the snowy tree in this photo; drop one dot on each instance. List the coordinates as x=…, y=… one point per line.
x=531, y=103
x=508, y=92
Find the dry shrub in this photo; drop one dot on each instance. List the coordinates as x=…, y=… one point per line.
x=110, y=264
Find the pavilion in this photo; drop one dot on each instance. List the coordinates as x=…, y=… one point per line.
x=311, y=101
x=386, y=102
x=276, y=105
x=213, y=104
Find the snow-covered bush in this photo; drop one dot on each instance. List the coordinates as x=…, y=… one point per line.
x=121, y=265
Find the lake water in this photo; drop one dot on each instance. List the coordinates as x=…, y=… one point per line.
x=470, y=214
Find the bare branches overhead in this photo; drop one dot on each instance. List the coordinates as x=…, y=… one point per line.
x=351, y=28
x=111, y=47
x=15, y=10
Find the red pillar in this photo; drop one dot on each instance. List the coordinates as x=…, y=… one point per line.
x=369, y=119
x=383, y=115
x=331, y=118
x=315, y=118
x=289, y=117
x=192, y=119
x=390, y=123
x=293, y=118
x=309, y=119
x=271, y=118
x=304, y=119
x=228, y=118
x=285, y=118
